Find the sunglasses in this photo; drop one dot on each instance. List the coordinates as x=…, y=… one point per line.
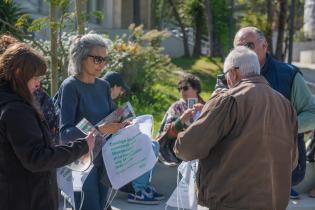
x=98, y=59
x=250, y=45
x=184, y=88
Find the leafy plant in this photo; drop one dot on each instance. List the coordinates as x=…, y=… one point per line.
x=9, y=15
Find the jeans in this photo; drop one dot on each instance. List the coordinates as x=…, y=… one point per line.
x=95, y=193
x=299, y=172
x=143, y=181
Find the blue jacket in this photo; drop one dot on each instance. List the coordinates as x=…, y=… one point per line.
x=280, y=77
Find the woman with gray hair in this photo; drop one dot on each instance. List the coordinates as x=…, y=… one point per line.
x=84, y=95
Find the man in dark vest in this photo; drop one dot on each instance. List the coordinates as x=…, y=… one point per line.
x=288, y=80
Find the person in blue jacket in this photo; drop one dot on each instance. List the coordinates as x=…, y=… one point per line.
x=82, y=95
x=288, y=80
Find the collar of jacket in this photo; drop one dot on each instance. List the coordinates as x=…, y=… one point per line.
x=253, y=79
x=266, y=65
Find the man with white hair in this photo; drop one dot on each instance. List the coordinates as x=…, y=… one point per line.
x=288, y=80
x=245, y=140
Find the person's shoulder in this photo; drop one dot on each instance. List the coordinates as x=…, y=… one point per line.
x=16, y=108
x=102, y=82
x=221, y=98
x=178, y=103
x=285, y=66
x=70, y=84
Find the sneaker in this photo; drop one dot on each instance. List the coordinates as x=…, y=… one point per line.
x=154, y=193
x=141, y=197
x=294, y=194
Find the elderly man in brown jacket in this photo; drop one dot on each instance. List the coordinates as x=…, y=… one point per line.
x=245, y=140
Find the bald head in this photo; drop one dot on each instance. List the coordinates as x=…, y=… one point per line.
x=254, y=39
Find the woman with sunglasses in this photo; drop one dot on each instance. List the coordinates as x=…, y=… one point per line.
x=179, y=116
x=84, y=95
x=28, y=158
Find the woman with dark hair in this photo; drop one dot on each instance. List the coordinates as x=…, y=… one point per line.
x=179, y=116
x=45, y=102
x=27, y=157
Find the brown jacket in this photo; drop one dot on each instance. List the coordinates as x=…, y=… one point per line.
x=245, y=139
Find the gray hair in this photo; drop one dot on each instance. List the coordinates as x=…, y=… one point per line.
x=259, y=34
x=245, y=60
x=80, y=48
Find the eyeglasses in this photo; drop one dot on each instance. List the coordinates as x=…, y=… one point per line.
x=249, y=45
x=235, y=67
x=99, y=59
x=184, y=88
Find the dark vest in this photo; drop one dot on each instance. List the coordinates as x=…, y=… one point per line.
x=280, y=77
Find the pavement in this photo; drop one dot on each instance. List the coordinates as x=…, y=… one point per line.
x=164, y=180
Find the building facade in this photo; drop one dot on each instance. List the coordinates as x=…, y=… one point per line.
x=118, y=14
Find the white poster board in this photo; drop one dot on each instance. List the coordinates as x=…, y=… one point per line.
x=128, y=154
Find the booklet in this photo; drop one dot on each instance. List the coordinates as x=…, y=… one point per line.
x=121, y=114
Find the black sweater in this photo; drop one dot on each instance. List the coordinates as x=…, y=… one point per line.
x=27, y=157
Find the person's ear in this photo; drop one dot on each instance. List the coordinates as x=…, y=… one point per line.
x=265, y=45
x=237, y=75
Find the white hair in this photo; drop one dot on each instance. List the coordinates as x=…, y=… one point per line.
x=245, y=60
x=81, y=48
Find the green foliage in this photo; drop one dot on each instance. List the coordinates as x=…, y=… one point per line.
x=140, y=60
x=252, y=19
x=221, y=26
x=255, y=14
x=98, y=14
x=9, y=15
x=38, y=24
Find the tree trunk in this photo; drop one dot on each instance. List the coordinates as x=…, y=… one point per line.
x=281, y=27
x=209, y=26
x=80, y=4
x=269, y=6
x=181, y=25
x=291, y=32
x=231, y=24
x=53, y=48
x=198, y=30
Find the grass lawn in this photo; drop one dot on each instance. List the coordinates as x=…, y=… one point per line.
x=202, y=67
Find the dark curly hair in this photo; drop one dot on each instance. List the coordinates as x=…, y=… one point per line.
x=193, y=81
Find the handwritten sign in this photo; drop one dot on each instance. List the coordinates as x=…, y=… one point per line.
x=129, y=154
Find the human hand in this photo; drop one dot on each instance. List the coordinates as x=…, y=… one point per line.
x=187, y=115
x=198, y=107
x=90, y=139
x=110, y=128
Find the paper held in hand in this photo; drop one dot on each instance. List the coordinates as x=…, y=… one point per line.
x=128, y=154
x=121, y=114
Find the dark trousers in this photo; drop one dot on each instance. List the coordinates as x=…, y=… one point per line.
x=299, y=172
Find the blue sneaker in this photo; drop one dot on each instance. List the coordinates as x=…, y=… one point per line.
x=142, y=197
x=151, y=190
x=294, y=194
